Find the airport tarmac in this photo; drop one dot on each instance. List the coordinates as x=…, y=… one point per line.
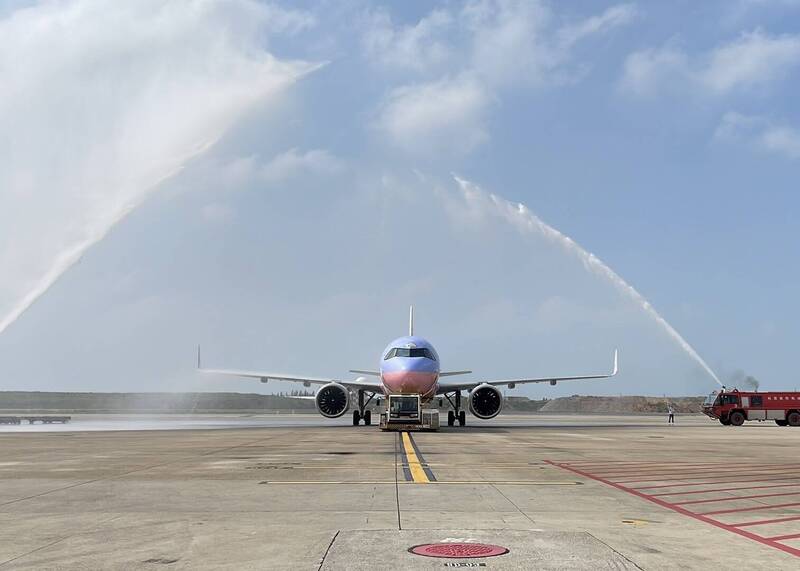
x=300, y=492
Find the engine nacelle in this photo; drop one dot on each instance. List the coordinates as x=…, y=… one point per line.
x=485, y=401
x=332, y=400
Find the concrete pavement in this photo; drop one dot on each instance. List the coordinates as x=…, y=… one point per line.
x=566, y=492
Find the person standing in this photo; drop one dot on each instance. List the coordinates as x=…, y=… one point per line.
x=671, y=412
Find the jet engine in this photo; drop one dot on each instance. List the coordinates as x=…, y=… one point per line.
x=332, y=400
x=485, y=401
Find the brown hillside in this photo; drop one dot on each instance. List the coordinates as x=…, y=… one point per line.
x=587, y=404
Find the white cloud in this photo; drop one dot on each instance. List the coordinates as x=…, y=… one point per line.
x=510, y=41
x=760, y=133
x=293, y=162
x=613, y=17
x=646, y=71
x=112, y=99
x=517, y=42
x=445, y=115
x=782, y=140
x=499, y=44
x=287, y=22
x=755, y=58
x=282, y=167
x=418, y=47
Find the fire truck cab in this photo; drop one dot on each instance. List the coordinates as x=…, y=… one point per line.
x=734, y=407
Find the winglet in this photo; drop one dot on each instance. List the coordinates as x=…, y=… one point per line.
x=198, y=356
x=616, y=363
x=411, y=321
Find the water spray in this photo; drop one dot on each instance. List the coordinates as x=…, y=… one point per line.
x=120, y=130
x=525, y=220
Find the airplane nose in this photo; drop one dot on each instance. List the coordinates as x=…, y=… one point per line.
x=409, y=375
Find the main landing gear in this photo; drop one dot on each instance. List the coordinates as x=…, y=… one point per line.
x=456, y=413
x=361, y=412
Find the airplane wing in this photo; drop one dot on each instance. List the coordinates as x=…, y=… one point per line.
x=263, y=376
x=453, y=373
x=446, y=387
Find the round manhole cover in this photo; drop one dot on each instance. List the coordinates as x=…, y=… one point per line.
x=458, y=550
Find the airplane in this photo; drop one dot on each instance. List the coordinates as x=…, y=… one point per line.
x=409, y=366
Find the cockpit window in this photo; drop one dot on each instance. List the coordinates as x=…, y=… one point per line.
x=410, y=352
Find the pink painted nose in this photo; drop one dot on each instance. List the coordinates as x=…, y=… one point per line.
x=409, y=382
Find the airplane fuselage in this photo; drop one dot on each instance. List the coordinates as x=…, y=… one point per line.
x=410, y=365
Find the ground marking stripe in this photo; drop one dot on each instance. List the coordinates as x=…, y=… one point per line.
x=680, y=510
x=709, y=483
x=631, y=465
x=765, y=521
x=425, y=466
x=671, y=465
x=417, y=473
x=733, y=498
x=736, y=489
x=720, y=470
x=784, y=537
x=404, y=459
x=654, y=478
x=755, y=509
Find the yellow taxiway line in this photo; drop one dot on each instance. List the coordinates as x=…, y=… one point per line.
x=414, y=465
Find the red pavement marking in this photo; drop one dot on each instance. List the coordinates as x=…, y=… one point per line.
x=721, y=470
x=733, y=498
x=717, y=482
x=755, y=509
x=653, y=478
x=738, y=488
x=640, y=465
x=765, y=521
x=700, y=517
x=784, y=537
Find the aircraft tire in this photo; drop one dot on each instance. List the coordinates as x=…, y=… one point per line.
x=462, y=418
x=451, y=418
x=367, y=418
x=356, y=417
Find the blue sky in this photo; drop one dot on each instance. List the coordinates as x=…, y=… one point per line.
x=276, y=183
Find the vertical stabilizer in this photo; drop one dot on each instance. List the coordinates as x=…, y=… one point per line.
x=411, y=321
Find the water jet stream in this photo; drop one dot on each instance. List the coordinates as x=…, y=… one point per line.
x=525, y=220
x=90, y=139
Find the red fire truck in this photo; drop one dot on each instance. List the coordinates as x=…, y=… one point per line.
x=734, y=407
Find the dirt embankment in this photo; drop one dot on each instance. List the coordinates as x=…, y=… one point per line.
x=622, y=404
